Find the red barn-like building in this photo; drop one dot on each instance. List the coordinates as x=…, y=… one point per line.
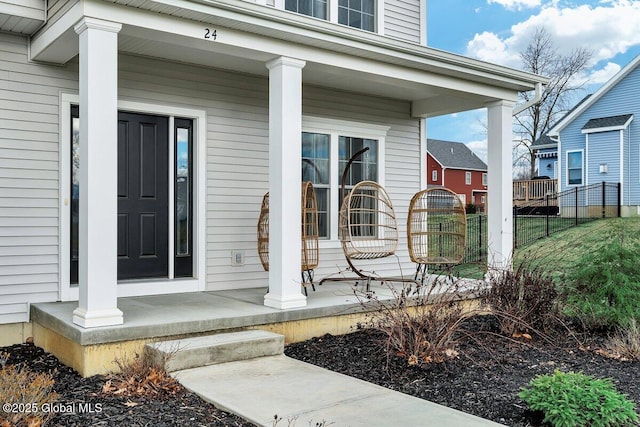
x=454, y=166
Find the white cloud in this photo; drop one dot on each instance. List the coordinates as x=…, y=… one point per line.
x=607, y=29
x=479, y=147
x=604, y=74
x=516, y=4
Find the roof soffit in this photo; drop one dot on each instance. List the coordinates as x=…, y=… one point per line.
x=283, y=25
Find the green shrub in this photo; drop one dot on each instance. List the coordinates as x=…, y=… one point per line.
x=523, y=300
x=578, y=400
x=603, y=287
x=470, y=208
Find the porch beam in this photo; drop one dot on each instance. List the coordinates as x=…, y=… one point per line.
x=500, y=187
x=98, y=221
x=285, y=136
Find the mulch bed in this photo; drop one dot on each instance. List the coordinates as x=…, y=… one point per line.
x=178, y=407
x=483, y=380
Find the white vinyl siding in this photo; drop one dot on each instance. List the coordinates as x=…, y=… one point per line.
x=28, y=178
x=237, y=175
x=238, y=154
x=402, y=19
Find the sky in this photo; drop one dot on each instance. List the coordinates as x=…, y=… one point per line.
x=497, y=30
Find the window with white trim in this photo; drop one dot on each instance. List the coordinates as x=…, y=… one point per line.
x=467, y=178
x=365, y=15
x=575, y=167
x=327, y=146
x=434, y=175
x=484, y=178
x=315, y=8
x=358, y=14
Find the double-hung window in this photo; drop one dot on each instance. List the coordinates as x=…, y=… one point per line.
x=362, y=14
x=358, y=14
x=315, y=8
x=575, y=167
x=327, y=146
x=467, y=178
x=484, y=178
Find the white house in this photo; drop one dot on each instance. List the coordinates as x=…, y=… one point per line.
x=138, y=137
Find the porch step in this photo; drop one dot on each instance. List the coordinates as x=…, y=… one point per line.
x=214, y=349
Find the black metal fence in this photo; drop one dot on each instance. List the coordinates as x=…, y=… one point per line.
x=476, y=250
x=543, y=218
x=564, y=210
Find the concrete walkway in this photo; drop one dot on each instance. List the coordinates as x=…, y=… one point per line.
x=258, y=389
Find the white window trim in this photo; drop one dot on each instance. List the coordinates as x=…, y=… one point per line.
x=567, y=168
x=151, y=286
x=434, y=175
x=468, y=175
x=336, y=128
x=484, y=178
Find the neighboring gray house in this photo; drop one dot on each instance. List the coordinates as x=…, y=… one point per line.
x=139, y=136
x=598, y=140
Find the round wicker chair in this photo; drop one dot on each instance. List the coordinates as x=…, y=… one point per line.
x=436, y=228
x=309, y=235
x=263, y=233
x=368, y=227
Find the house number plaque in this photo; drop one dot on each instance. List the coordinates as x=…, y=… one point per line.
x=209, y=34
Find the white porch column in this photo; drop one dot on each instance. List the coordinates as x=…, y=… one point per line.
x=98, y=227
x=285, y=136
x=500, y=186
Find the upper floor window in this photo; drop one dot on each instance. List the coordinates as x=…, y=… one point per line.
x=575, y=167
x=315, y=8
x=484, y=179
x=467, y=178
x=434, y=175
x=357, y=14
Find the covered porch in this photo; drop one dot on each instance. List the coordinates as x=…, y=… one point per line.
x=118, y=47
x=333, y=308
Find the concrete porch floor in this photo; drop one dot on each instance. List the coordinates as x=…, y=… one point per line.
x=332, y=308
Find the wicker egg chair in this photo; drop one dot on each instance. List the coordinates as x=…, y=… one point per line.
x=368, y=228
x=309, y=235
x=436, y=229
x=263, y=233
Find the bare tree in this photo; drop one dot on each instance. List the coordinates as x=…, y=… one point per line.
x=542, y=57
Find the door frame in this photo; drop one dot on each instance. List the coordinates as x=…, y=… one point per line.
x=144, y=286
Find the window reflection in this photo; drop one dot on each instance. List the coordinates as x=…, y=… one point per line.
x=75, y=191
x=182, y=191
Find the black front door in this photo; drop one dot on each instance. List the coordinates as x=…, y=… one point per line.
x=143, y=196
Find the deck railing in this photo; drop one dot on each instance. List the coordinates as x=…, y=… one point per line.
x=526, y=191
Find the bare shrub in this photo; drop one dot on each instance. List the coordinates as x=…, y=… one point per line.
x=141, y=375
x=421, y=323
x=625, y=343
x=523, y=300
x=27, y=395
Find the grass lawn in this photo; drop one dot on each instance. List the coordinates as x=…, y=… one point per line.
x=560, y=250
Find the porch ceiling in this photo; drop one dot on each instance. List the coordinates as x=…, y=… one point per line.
x=336, y=57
